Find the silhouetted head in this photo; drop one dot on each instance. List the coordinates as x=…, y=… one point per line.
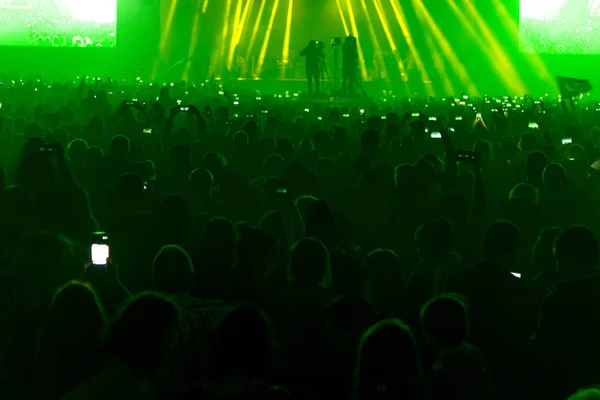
x=528, y=142
x=273, y=166
x=240, y=140
x=76, y=150
x=256, y=253
x=383, y=277
x=309, y=265
x=389, y=364
x=535, y=165
x=274, y=222
x=140, y=335
x=93, y=156
x=576, y=248
x=75, y=326
x=555, y=177
x=502, y=243
x=131, y=189
x=445, y=320
x=527, y=192
x=201, y=181
x=370, y=141
x=285, y=148
x=172, y=271
x=586, y=394
x=214, y=162
x=320, y=223
x=119, y=147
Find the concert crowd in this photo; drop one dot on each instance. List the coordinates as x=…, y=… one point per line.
x=558, y=36
x=30, y=27
x=274, y=246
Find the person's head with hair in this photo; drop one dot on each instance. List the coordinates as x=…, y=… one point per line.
x=309, y=264
x=173, y=271
x=555, y=177
x=76, y=150
x=527, y=192
x=72, y=335
x=140, y=335
x=93, y=155
x=528, y=142
x=483, y=148
x=274, y=222
x=240, y=140
x=119, y=147
x=320, y=223
x=131, y=191
x=586, y=394
x=202, y=181
x=214, y=162
x=576, y=249
x=383, y=278
x=36, y=172
x=445, y=320
x=273, y=166
x=389, y=363
x=370, y=141
x=243, y=344
x=502, y=243
x=434, y=239
x=285, y=148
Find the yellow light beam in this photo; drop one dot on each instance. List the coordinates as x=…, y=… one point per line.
x=263, y=51
x=288, y=31
x=401, y=18
x=514, y=81
x=361, y=57
x=374, y=38
x=388, y=34
x=343, y=18
x=236, y=28
x=218, y=60
x=468, y=25
x=166, y=32
x=204, y=6
x=452, y=58
x=534, y=60
x=193, y=44
x=239, y=28
x=164, y=37
x=256, y=27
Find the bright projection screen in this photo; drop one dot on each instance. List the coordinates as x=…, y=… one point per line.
x=58, y=23
x=560, y=26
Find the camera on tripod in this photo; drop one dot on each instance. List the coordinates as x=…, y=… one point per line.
x=336, y=41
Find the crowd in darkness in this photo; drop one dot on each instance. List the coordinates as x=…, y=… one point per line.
x=278, y=246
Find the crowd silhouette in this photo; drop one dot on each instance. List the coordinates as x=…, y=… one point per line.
x=277, y=247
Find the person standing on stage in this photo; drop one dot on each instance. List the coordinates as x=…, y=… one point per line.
x=313, y=54
x=350, y=65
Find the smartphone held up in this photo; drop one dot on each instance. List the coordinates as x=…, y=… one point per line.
x=100, y=250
